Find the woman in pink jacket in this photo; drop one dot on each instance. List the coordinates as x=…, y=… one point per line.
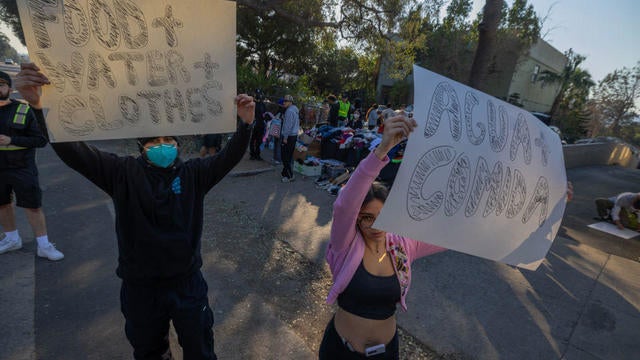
x=371, y=268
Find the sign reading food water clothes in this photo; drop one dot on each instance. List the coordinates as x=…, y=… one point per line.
x=124, y=68
x=479, y=176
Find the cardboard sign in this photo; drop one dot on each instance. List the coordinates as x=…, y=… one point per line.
x=124, y=68
x=479, y=176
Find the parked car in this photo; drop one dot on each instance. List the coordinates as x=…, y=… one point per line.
x=9, y=61
x=599, y=140
x=545, y=118
x=586, y=141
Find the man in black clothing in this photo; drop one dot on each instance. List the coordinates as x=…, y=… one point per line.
x=158, y=202
x=19, y=138
x=334, y=108
x=259, y=126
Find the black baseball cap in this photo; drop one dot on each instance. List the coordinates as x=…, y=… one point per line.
x=5, y=77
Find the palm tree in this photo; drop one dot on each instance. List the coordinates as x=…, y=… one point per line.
x=574, y=81
x=487, y=30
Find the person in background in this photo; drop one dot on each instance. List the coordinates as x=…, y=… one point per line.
x=259, y=125
x=275, y=131
x=371, y=268
x=19, y=138
x=211, y=144
x=622, y=208
x=322, y=116
x=334, y=109
x=356, y=121
x=380, y=121
x=344, y=110
x=372, y=116
x=289, y=136
x=158, y=201
x=357, y=105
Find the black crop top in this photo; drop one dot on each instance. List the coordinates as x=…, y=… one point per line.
x=370, y=296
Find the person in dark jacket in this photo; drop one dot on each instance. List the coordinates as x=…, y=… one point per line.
x=259, y=126
x=334, y=109
x=19, y=138
x=158, y=202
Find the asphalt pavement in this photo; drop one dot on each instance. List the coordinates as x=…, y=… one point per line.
x=582, y=303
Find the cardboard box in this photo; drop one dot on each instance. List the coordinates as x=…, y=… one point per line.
x=314, y=149
x=307, y=170
x=302, y=155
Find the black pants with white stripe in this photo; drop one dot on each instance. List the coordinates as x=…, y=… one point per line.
x=287, y=156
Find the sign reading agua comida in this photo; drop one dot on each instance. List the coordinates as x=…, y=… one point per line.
x=479, y=176
x=124, y=68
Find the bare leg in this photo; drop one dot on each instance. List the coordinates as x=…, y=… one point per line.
x=37, y=222
x=7, y=217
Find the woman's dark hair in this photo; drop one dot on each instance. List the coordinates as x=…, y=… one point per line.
x=377, y=191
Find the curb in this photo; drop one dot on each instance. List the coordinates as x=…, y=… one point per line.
x=250, y=172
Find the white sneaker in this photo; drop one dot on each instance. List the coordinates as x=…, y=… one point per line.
x=50, y=252
x=7, y=245
x=285, y=179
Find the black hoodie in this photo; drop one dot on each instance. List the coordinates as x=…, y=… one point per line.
x=26, y=135
x=159, y=211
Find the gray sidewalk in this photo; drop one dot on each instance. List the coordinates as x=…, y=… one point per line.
x=582, y=303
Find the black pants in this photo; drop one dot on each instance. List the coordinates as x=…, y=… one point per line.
x=256, y=140
x=332, y=347
x=147, y=310
x=287, y=156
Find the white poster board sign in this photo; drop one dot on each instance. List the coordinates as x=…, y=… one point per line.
x=612, y=229
x=478, y=175
x=124, y=68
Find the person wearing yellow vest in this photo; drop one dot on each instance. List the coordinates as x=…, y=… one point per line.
x=344, y=110
x=19, y=138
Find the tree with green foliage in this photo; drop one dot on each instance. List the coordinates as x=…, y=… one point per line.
x=570, y=110
x=332, y=68
x=6, y=50
x=475, y=52
x=573, y=80
x=9, y=14
x=272, y=47
x=615, y=100
x=487, y=33
x=451, y=43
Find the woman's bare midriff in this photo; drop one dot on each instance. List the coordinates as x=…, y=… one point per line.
x=362, y=333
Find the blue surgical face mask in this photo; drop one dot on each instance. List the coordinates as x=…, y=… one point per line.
x=162, y=155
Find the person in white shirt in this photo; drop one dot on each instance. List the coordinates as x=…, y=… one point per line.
x=622, y=209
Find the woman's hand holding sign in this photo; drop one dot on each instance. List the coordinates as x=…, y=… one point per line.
x=246, y=108
x=396, y=129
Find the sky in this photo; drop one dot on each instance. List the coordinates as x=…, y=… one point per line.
x=605, y=31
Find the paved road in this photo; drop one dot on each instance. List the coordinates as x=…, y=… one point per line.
x=582, y=303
